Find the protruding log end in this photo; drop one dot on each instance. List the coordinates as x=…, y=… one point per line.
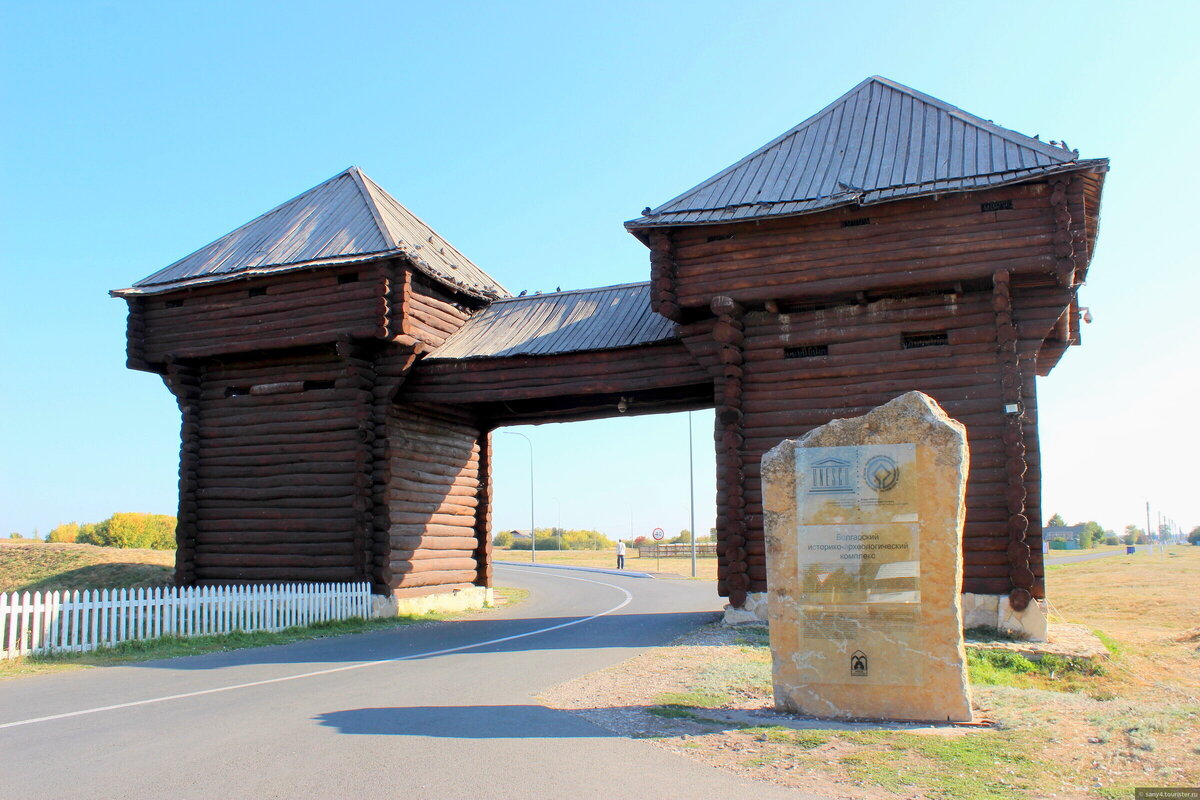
x=724, y=306
x=1019, y=599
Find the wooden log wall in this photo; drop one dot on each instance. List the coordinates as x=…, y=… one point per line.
x=845, y=360
x=274, y=312
x=135, y=335
x=663, y=298
x=438, y=466
x=908, y=244
x=184, y=382
x=1013, y=437
x=431, y=312
x=280, y=493
x=733, y=578
x=482, y=380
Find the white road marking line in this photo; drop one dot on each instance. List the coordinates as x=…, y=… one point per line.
x=362, y=665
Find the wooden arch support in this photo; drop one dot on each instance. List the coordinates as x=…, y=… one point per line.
x=183, y=379
x=1019, y=572
x=729, y=331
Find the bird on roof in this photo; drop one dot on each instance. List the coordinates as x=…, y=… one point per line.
x=523, y=293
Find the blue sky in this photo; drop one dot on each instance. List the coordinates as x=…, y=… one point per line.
x=526, y=133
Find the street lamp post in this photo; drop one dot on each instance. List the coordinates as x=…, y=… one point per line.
x=692, y=492
x=532, y=529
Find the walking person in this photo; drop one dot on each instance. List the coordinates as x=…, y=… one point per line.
x=620, y=554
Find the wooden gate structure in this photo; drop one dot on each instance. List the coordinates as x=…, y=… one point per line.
x=340, y=367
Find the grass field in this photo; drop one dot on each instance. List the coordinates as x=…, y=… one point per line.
x=706, y=568
x=1062, y=729
x=27, y=566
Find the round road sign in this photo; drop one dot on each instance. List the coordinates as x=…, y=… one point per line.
x=659, y=534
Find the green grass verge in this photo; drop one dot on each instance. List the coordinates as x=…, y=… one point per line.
x=984, y=765
x=1006, y=668
x=979, y=765
x=178, y=646
x=1114, y=648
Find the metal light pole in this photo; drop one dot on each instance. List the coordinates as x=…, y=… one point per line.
x=532, y=529
x=692, y=492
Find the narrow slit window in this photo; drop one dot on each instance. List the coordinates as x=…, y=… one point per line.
x=258, y=291
x=719, y=238
x=310, y=386
x=854, y=223
x=236, y=391
x=806, y=351
x=348, y=277
x=912, y=341
x=173, y=304
x=995, y=205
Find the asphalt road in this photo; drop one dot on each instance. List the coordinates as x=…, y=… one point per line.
x=443, y=710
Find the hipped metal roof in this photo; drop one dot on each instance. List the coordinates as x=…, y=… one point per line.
x=880, y=141
x=561, y=322
x=346, y=219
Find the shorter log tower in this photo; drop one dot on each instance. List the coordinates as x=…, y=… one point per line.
x=339, y=366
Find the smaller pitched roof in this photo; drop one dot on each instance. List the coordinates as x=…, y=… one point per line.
x=880, y=141
x=347, y=218
x=560, y=322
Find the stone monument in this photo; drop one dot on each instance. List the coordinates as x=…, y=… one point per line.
x=864, y=522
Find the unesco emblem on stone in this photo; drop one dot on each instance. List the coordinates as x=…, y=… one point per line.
x=881, y=473
x=858, y=664
x=831, y=476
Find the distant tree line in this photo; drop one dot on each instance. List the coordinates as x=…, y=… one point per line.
x=555, y=539
x=123, y=529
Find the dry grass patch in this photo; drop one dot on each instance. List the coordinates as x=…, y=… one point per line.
x=42, y=567
x=1063, y=729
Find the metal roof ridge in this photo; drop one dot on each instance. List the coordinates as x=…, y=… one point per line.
x=790, y=132
x=360, y=178
x=245, y=225
x=1057, y=154
x=567, y=291
x=411, y=249
x=1008, y=134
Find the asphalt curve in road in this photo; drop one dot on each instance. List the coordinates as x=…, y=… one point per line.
x=443, y=710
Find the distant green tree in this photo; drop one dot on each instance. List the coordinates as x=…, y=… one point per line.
x=503, y=539
x=132, y=530
x=1091, y=535
x=66, y=533
x=15, y=535
x=1134, y=535
x=684, y=537
x=89, y=533
x=1056, y=522
x=1194, y=536
x=1111, y=538
x=586, y=540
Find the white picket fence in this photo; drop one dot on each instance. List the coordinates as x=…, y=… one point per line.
x=52, y=622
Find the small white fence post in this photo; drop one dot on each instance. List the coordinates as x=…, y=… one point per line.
x=46, y=622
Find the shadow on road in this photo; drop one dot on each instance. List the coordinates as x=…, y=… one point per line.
x=430, y=639
x=464, y=722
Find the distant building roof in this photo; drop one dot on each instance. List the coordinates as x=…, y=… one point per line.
x=880, y=141
x=560, y=322
x=1068, y=532
x=347, y=218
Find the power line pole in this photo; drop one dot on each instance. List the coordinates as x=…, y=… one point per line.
x=1147, y=519
x=692, y=492
x=532, y=529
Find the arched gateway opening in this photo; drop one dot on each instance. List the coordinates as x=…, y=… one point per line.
x=340, y=367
